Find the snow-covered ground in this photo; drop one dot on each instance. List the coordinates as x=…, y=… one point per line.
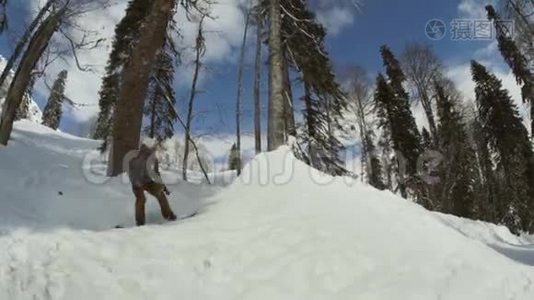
x=280, y=231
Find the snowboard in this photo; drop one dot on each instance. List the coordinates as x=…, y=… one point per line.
x=178, y=218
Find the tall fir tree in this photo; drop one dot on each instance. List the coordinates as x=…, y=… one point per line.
x=458, y=169
x=23, y=112
x=405, y=136
x=24, y=109
x=324, y=100
x=426, y=139
x=126, y=35
x=373, y=164
x=135, y=81
x=427, y=170
x=234, y=159
x=383, y=97
x=488, y=189
x=509, y=149
x=52, y=111
x=515, y=59
x=302, y=50
x=160, y=103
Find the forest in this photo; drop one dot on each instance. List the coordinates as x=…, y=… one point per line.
x=470, y=160
x=438, y=175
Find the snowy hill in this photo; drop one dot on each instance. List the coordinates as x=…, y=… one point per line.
x=281, y=231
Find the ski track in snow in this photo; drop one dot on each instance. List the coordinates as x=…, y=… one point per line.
x=251, y=240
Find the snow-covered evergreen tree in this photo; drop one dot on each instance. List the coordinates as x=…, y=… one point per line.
x=23, y=112
x=159, y=106
x=382, y=98
x=373, y=163
x=509, y=149
x=405, y=137
x=324, y=100
x=234, y=159
x=53, y=109
x=515, y=59
x=458, y=169
x=126, y=35
x=426, y=139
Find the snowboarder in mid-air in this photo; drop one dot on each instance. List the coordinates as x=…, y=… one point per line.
x=144, y=175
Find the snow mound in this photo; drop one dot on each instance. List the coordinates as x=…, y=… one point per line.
x=280, y=231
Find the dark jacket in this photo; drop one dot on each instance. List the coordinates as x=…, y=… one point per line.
x=144, y=168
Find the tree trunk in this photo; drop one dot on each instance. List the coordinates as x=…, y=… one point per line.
x=289, y=114
x=309, y=124
x=329, y=127
x=128, y=113
x=22, y=78
x=276, y=134
x=23, y=41
x=199, y=50
x=532, y=121
x=239, y=93
x=152, y=131
x=257, y=80
x=427, y=107
x=365, y=157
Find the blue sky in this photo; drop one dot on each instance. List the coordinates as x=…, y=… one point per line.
x=395, y=23
x=357, y=36
x=378, y=22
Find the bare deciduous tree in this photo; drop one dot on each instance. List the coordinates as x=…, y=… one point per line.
x=358, y=87
x=23, y=75
x=59, y=14
x=23, y=41
x=423, y=67
x=237, y=152
x=257, y=80
x=200, y=50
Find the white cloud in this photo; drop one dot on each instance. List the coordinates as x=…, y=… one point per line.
x=335, y=19
x=474, y=9
x=223, y=35
x=82, y=87
x=223, y=39
x=223, y=32
x=336, y=15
